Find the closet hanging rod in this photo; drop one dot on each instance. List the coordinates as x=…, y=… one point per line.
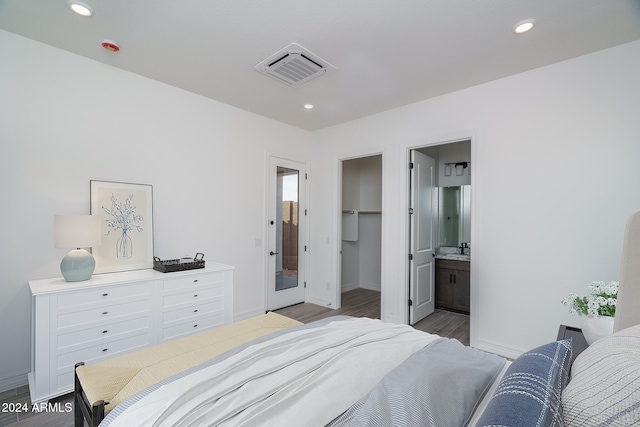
x=351, y=212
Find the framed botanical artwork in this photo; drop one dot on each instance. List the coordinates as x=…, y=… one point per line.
x=126, y=217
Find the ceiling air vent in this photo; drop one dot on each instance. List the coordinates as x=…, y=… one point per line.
x=294, y=66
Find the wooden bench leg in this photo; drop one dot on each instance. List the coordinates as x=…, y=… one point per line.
x=78, y=417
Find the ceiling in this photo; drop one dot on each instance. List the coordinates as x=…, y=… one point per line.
x=387, y=53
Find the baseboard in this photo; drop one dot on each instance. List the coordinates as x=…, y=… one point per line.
x=349, y=287
x=371, y=286
x=15, y=381
x=247, y=315
x=321, y=302
x=354, y=286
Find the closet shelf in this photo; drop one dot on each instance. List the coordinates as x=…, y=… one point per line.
x=351, y=212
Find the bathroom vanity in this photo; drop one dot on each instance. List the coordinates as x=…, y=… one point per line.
x=453, y=281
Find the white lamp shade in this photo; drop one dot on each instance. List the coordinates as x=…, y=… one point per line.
x=76, y=231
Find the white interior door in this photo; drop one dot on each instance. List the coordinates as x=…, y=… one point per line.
x=422, y=237
x=286, y=248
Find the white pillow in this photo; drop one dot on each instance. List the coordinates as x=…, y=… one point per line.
x=604, y=389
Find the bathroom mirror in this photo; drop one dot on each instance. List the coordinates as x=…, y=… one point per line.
x=454, y=206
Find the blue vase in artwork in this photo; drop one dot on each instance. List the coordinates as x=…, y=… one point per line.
x=124, y=246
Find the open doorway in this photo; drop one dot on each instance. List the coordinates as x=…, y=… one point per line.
x=361, y=231
x=439, y=234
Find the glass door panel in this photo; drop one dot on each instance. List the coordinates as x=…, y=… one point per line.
x=287, y=222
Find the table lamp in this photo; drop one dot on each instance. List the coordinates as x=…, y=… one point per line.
x=77, y=231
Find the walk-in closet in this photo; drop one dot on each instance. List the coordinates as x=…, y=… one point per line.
x=361, y=223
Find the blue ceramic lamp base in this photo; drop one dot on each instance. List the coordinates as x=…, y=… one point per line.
x=78, y=265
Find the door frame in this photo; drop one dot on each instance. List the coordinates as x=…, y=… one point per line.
x=407, y=229
x=303, y=228
x=337, y=291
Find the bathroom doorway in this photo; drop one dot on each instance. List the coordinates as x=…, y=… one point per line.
x=439, y=230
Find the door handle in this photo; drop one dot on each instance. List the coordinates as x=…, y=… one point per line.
x=273, y=253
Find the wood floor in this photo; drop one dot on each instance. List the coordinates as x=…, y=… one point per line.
x=366, y=303
x=357, y=303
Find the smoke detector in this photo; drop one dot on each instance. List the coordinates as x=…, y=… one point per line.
x=294, y=66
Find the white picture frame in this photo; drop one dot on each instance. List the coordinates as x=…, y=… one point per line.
x=126, y=221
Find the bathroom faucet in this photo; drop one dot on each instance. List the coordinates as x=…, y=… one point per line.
x=463, y=246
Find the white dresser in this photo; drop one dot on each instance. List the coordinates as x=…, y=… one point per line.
x=116, y=313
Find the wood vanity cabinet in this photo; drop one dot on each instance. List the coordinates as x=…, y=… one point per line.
x=453, y=280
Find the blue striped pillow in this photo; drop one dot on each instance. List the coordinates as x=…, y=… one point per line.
x=530, y=391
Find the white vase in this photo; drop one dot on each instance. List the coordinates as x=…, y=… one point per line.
x=596, y=327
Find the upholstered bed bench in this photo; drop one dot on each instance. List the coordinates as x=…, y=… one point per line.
x=100, y=387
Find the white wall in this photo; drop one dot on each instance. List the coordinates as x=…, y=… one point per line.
x=65, y=120
x=555, y=174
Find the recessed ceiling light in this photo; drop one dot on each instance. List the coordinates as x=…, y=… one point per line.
x=308, y=106
x=80, y=8
x=524, y=26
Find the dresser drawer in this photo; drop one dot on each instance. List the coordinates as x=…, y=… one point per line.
x=116, y=313
x=104, y=350
x=192, y=295
x=105, y=314
x=191, y=311
x=191, y=327
x=104, y=332
x=102, y=294
x=179, y=283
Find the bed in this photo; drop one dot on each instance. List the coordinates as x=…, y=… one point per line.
x=332, y=371
x=344, y=371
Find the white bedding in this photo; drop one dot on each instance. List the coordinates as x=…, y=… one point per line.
x=325, y=380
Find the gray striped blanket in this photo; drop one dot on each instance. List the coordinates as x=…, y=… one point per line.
x=371, y=372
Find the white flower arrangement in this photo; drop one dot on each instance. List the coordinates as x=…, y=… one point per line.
x=601, y=300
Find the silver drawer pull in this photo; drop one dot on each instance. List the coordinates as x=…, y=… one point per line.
x=104, y=295
x=105, y=312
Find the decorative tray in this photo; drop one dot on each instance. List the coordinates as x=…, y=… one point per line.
x=180, y=264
